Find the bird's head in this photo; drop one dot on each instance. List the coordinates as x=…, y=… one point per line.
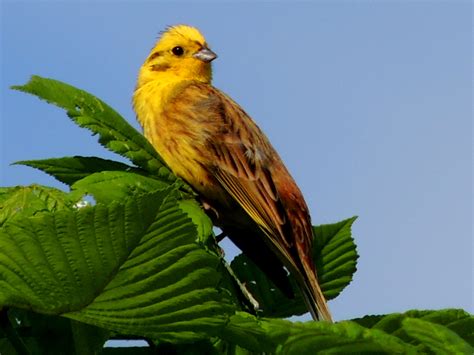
x=180, y=52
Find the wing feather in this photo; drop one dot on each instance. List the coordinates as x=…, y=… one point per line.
x=238, y=156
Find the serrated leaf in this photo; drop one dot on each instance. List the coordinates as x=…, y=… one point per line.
x=457, y=320
x=28, y=200
x=134, y=268
x=71, y=169
x=55, y=262
x=108, y=186
x=335, y=256
x=167, y=286
x=202, y=222
x=285, y=337
x=247, y=331
x=341, y=338
x=89, y=112
x=435, y=337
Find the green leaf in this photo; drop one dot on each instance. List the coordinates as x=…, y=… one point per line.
x=224, y=347
x=90, y=112
x=202, y=222
x=457, y=320
x=133, y=267
x=56, y=262
x=71, y=169
x=248, y=331
x=88, y=339
x=435, y=337
x=108, y=186
x=167, y=288
x=340, y=338
x=335, y=256
x=37, y=330
x=285, y=337
x=29, y=200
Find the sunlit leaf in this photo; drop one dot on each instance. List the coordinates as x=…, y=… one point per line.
x=457, y=320
x=285, y=337
x=199, y=218
x=89, y=112
x=132, y=267
x=29, y=200
x=108, y=186
x=435, y=337
x=71, y=169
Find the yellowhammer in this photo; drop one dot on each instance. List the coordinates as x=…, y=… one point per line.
x=209, y=141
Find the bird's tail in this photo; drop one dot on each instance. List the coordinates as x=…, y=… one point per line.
x=313, y=296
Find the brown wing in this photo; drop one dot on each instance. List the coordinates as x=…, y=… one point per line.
x=244, y=163
x=241, y=159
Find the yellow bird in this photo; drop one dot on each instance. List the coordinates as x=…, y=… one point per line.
x=209, y=141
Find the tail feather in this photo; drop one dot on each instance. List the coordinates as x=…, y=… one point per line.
x=315, y=300
x=312, y=293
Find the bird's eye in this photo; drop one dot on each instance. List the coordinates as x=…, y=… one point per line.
x=179, y=51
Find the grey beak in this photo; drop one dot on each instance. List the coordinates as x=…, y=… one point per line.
x=206, y=55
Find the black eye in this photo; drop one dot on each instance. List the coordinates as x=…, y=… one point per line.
x=179, y=51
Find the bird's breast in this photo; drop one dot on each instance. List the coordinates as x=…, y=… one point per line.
x=178, y=137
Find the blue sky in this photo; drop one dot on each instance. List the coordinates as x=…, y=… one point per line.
x=369, y=105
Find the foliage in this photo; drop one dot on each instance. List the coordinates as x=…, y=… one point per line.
x=141, y=262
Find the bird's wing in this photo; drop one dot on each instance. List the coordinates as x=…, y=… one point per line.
x=241, y=159
x=238, y=155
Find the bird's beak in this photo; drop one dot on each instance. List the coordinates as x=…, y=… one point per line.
x=206, y=55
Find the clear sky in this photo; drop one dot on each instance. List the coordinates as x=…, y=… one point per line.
x=369, y=104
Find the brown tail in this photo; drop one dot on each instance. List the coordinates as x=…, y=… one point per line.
x=308, y=280
x=313, y=296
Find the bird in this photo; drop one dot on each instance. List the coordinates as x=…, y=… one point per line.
x=210, y=142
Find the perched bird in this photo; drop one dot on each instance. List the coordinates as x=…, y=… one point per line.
x=209, y=141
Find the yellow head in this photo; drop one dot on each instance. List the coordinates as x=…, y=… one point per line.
x=180, y=53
